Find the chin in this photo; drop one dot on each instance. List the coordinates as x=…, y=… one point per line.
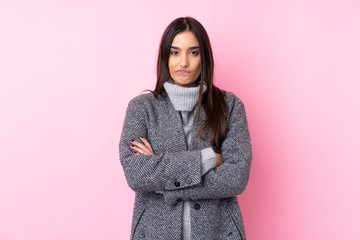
x=185, y=83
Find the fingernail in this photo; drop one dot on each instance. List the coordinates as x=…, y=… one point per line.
x=141, y=137
x=131, y=140
x=132, y=146
x=135, y=152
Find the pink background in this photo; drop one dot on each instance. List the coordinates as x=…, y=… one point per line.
x=69, y=68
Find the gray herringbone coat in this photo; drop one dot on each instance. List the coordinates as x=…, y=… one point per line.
x=175, y=170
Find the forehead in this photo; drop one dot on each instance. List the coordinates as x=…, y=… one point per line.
x=185, y=39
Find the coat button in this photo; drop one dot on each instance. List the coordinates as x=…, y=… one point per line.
x=188, y=181
x=178, y=199
x=141, y=234
x=197, y=206
x=177, y=184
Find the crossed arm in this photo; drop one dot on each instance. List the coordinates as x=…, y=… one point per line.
x=146, y=172
x=146, y=149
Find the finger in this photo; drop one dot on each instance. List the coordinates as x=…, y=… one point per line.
x=141, y=150
x=147, y=144
x=145, y=149
x=138, y=145
x=219, y=160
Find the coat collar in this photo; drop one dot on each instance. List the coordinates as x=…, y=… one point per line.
x=174, y=128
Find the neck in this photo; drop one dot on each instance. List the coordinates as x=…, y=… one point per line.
x=183, y=98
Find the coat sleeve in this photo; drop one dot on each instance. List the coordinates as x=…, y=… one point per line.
x=160, y=172
x=230, y=178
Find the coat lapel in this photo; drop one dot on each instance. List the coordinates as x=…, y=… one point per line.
x=174, y=136
x=172, y=133
x=196, y=141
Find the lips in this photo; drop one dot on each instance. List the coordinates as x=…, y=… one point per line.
x=182, y=71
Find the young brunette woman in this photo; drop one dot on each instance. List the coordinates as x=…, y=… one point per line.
x=185, y=147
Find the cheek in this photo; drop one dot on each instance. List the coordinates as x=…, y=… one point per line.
x=198, y=68
x=171, y=65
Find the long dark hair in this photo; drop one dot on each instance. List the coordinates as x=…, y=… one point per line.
x=213, y=99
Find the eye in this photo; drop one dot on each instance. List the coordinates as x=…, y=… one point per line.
x=195, y=53
x=174, y=52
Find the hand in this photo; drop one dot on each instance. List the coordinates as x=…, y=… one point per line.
x=219, y=159
x=140, y=148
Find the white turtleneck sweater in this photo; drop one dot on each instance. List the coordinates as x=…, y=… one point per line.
x=184, y=101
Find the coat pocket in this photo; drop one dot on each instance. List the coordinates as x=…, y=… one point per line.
x=139, y=227
x=233, y=230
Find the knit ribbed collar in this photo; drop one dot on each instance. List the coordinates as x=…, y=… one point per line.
x=183, y=98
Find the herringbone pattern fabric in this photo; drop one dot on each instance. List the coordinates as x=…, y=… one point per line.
x=175, y=169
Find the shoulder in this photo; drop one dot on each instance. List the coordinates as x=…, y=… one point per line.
x=146, y=102
x=145, y=99
x=232, y=100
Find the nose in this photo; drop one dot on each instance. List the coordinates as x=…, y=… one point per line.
x=184, y=61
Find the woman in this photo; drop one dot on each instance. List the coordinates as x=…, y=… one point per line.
x=185, y=147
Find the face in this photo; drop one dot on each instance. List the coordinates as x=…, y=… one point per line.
x=184, y=59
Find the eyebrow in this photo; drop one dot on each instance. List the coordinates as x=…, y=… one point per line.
x=191, y=48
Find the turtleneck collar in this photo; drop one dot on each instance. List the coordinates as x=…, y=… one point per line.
x=183, y=98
